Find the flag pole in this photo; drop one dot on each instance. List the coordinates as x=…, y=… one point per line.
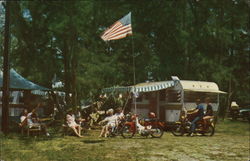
x=109, y=48
x=114, y=33
x=133, y=53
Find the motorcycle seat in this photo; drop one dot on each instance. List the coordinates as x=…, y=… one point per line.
x=207, y=117
x=204, y=119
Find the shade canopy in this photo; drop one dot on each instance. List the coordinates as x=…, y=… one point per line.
x=17, y=82
x=152, y=86
x=141, y=87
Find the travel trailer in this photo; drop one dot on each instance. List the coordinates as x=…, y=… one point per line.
x=168, y=98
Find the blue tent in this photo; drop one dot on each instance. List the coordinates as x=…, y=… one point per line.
x=17, y=82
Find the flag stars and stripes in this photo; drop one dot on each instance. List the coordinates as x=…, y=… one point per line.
x=119, y=29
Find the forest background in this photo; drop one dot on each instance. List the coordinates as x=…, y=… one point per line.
x=192, y=39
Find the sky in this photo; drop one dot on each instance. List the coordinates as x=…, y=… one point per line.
x=1, y=15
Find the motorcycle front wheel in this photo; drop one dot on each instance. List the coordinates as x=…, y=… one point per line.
x=127, y=132
x=157, y=132
x=178, y=130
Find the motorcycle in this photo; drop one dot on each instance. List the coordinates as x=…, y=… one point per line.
x=204, y=126
x=149, y=127
x=117, y=130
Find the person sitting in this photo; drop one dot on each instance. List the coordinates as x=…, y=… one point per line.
x=119, y=114
x=23, y=118
x=79, y=118
x=199, y=111
x=209, y=111
x=33, y=121
x=70, y=119
x=94, y=116
x=111, y=123
x=151, y=116
x=120, y=118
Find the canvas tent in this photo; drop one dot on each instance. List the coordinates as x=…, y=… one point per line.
x=18, y=86
x=17, y=82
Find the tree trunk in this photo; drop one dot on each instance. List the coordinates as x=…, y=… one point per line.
x=228, y=98
x=66, y=72
x=73, y=80
x=6, y=72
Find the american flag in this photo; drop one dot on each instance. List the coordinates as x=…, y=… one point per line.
x=119, y=29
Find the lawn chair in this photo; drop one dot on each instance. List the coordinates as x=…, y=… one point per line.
x=29, y=129
x=34, y=129
x=66, y=130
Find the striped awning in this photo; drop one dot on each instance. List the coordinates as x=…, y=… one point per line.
x=116, y=89
x=141, y=87
x=152, y=86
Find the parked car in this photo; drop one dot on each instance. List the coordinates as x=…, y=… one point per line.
x=245, y=113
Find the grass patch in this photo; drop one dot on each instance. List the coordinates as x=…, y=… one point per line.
x=231, y=142
x=233, y=127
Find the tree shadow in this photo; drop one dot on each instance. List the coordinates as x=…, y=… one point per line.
x=36, y=138
x=93, y=141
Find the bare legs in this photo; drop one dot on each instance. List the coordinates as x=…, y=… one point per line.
x=104, y=131
x=77, y=130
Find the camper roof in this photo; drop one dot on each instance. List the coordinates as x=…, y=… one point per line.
x=200, y=86
x=196, y=86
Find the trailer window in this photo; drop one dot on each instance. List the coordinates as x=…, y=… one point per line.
x=192, y=96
